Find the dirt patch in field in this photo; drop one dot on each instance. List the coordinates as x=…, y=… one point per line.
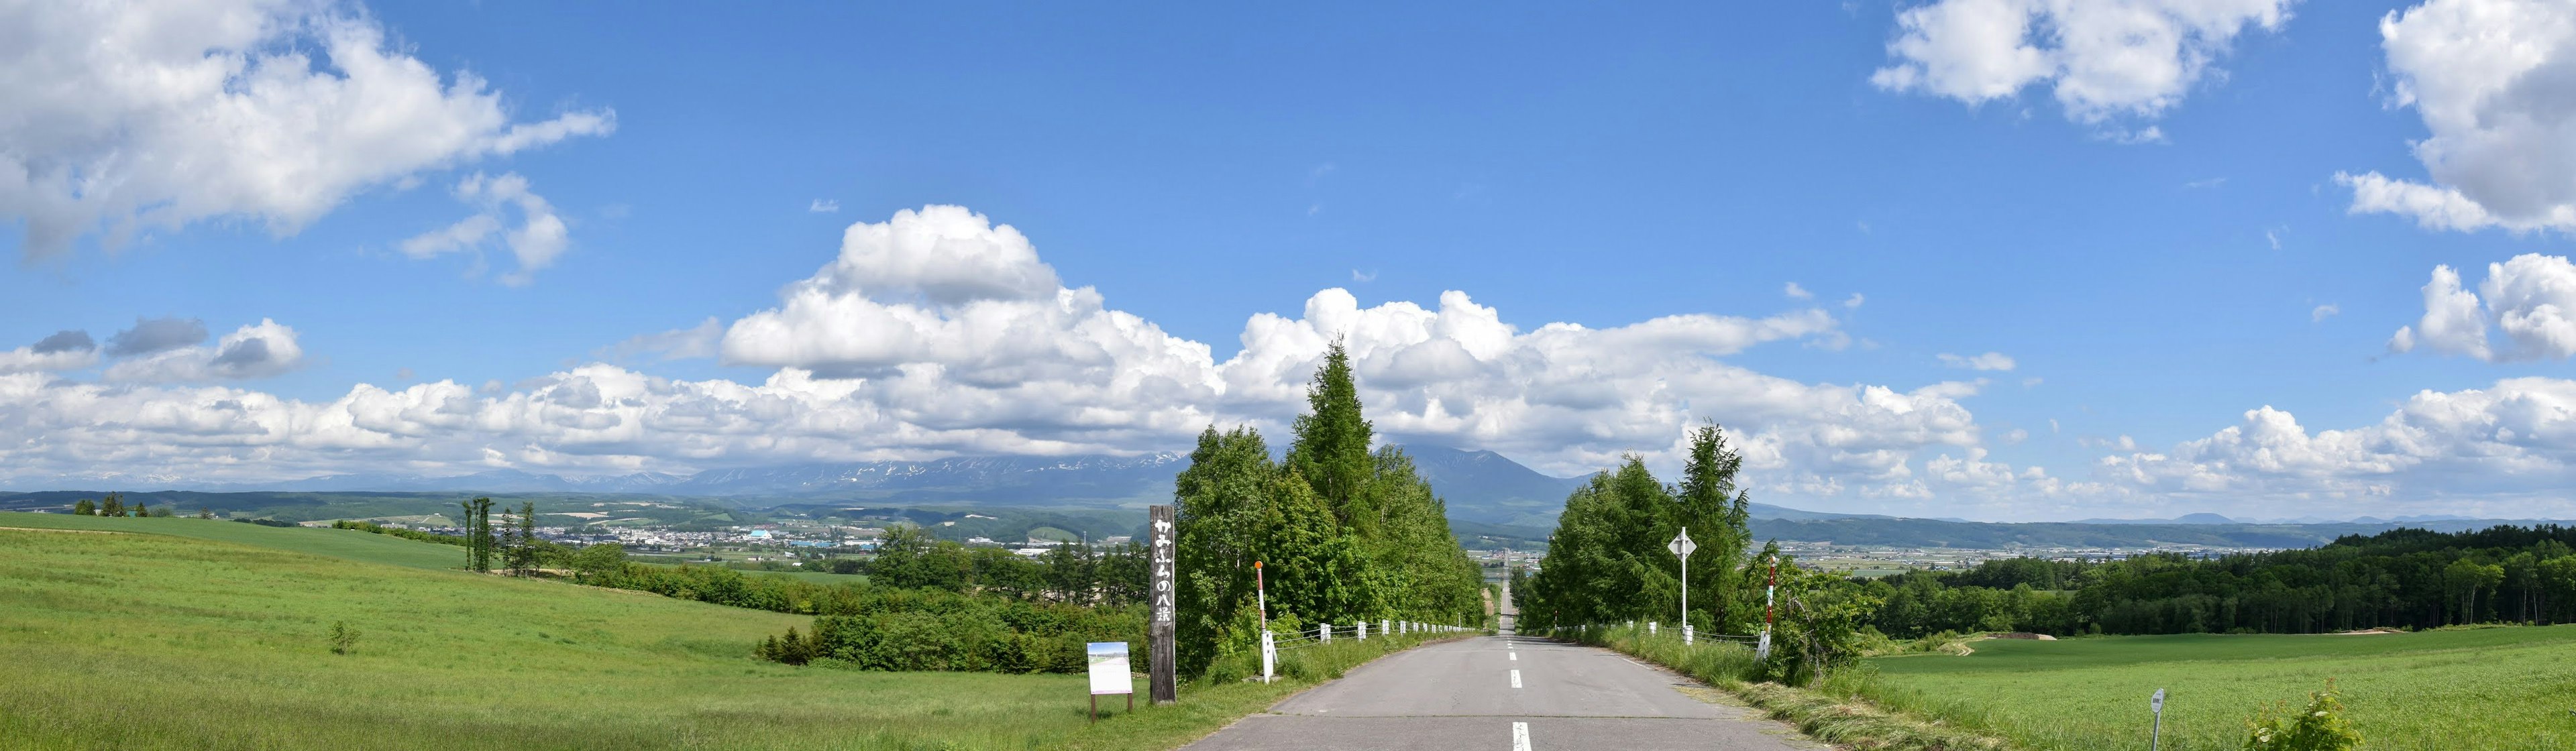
x=2368, y=632
x=2020, y=635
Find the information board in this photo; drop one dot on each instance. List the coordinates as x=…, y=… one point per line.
x=1109, y=673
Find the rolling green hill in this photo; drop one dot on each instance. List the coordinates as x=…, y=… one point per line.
x=201, y=634
x=348, y=544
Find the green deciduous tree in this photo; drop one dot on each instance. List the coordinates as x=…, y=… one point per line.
x=85, y=508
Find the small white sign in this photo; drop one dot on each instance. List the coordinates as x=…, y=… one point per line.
x=1109, y=673
x=2156, y=703
x=1682, y=545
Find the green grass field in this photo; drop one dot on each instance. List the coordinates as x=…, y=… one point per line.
x=2467, y=690
x=216, y=640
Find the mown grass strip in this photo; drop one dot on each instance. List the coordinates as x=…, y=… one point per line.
x=1832, y=713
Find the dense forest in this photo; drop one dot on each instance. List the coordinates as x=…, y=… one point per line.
x=2406, y=578
x=1342, y=532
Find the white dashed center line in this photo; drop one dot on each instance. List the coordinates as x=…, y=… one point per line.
x=1516, y=678
x=1516, y=656
x=1520, y=736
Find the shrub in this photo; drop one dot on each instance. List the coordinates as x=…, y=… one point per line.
x=344, y=639
x=2320, y=727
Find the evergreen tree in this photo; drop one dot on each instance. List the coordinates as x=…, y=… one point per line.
x=1332, y=447
x=523, y=553
x=114, y=505
x=1716, y=512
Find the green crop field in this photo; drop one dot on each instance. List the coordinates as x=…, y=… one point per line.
x=2466, y=690
x=161, y=641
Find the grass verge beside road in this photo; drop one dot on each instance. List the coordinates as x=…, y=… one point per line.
x=1829, y=713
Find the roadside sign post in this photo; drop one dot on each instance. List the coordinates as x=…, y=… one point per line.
x=2156, y=704
x=1159, y=634
x=1110, y=674
x=1770, y=593
x=1261, y=599
x=1682, y=547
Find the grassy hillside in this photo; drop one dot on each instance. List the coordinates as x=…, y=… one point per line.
x=152, y=641
x=348, y=544
x=2466, y=690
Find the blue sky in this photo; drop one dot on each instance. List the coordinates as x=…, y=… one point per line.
x=2158, y=250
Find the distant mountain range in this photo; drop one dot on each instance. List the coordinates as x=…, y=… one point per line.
x=1481, y=487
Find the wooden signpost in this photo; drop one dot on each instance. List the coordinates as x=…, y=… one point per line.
x=1159, y=630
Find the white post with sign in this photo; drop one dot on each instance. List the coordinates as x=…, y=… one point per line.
x=2156, y=704
x=1269, y=655
x=1682, y=547
x=1363, y=630
x=1769, y=593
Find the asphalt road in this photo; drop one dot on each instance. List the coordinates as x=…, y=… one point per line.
x=1503, y=693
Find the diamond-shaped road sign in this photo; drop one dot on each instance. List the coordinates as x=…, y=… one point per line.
x=1682, y=545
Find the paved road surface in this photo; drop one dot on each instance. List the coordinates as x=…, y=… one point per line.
x=1503, y=693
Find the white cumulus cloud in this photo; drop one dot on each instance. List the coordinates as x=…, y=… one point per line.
x=2507, y=450
x=64, y=350
x=2495, y=83
x=259, y=350
x=938, y=332
x=2102, y=59
x=128, y=116
x=2531, y=298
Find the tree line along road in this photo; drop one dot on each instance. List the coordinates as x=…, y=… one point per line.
x=1504, y=693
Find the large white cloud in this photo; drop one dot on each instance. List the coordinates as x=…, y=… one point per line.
x=938, y=332
x=2103, y=59
x=2495, y=83
x=126, y=116
x=2531, y=298
x=2507, y=450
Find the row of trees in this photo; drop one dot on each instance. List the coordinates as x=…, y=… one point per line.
x=114, y=505
x=2407, y=578
x=1341, y=532
x=521, y=551
x=1607, y=562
